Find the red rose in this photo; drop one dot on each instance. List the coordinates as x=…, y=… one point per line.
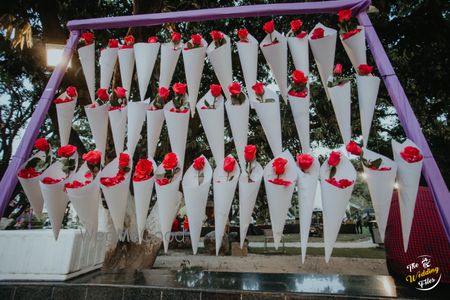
x=113, y=43
x=120, y=92
x=199, y=163
x=42, y=144
x=49, y=180
x=279, y=165
x=342, y=183
x=143, y=171
x=344, y=15
x=62, y=100
x=250, y=152
x=162, y=181
x=175, y=37
x=300, y=94
x=216, y=90
x=71, y=91
x=28, y=173
x=102, y=94
x=258, y=88
x=353, y=148
x=75, y=184
x=93, y=157
x=242, y=34
x=280, y=181
x=269, y=26
x=129, y=40
x=334, y=159
x=411, y=154
x=67, y=150
x=163, y=92
x=124, y=160
x=296, y=25
x=299, y=77
x=234, y=88
x=87, y=37
x=364, y=70
x=216, y=35
x=350, y=33
x=170, y=161
x=228, y=164
x=318, y=33
x=196, y=39
x=337, y=69
x=152, y=39
x=179, y=88
x=305, y=161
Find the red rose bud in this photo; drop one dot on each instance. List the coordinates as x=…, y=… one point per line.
x=179, y=88
x=170, y=161
x=28, y=173
x=318, y=33
x=92, y=157
x=344, y=15
x=113, y=43
x=299, y=77
x=279, y=165
x=102, y=94
x=42, y=144
x=334, y=159
x=364, y=70
x=196, y=39
x=175, y=37
x=124, y=160
x=71, y=91
x=216, y=90
x=242, y=34
x=120, y=92
x=250, y=152
x=129, y=40
x=258, y=88
x=305, y=161
x=163, y=92
x=296, y=25
x=87, y=37
x=269, y=26
x=337, y=69
x=411, y=154
x=67, y=150
x=152, y=39
x=199, y=163
x=216, y=35
x=234, y=88
x=353, y=148
x=228, y=164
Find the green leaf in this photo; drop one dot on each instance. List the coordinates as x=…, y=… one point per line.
x=32, y=163
x=231, y=178
x=376, y=163
x=332, y=172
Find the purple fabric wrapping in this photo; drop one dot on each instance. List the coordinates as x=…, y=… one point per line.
x=409, y=122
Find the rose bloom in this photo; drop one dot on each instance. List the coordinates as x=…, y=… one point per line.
x=279, y=165
x=102, y=94
x=411, y=154
x=228, y=164
x=269, y=26
x=162, y=181
x=258, y=88
x=170, y=161
x=143, y=171
x=113, y=43
x=299, y=77
x=67, y=150
x=234, y=88
x=175, y=37
x=242, y=34
x=120, y=92
x=163, y=92
x=334, y=159
x=28, y=173
x=250, y=152
x=305, y=161
x=42, y=144
x=129, y=40
x=199, y=163
x=196, y=39
x=353, y=148
x=296, y=25
x=71, y=91
x=216, y=90
x=87, y=37
x=124, y=160
x=216, y=35
x=152, y=39
x=93, y=157
x=344, y=15
x=179, y=88
x=364, y=69
x=337, y=69
x=318, y=33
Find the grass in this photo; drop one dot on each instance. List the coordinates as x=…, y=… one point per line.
x=337, y=252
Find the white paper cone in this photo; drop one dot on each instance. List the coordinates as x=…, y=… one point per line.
x=116, y=196
x=169, y=59
x=381, y=186
x=300, y=112
x=142, y=195
x=307, y=187
x=248, y=56
x=155, y=120
x=168, y=196
x=341, y=101
x=214, y=125
x=323, y=51
x=220, y=59
x=136, y=118
x=65, y=112
x=276, y=57
x=223, y=197
x=86, y=200
x=98, y=121
x=299, y=49
x=118, y=121
x=269, y=117
x=335, y=201
x=408, y=178
x=194, y=60
x=238, y=117
x=195, y=197
x=108, y=58
x=87, y=60
x=126, y=64
x=355, y=46
x=55, y=198
x=248, y=191
x=177, y=126
x=145, y=55
x=367, y=97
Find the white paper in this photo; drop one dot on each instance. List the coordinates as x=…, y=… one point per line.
x=248, y=56
x=136, y=118
x=355, y=46
x=238, y=118
x=98, y=122
x=118, y=121
x=126, y=64
x=155, y=120
x=367, y=97
x=300, y=112
x=169, y=59
x=299, y=49
x=108, y=58
x=87, y=60
x=65, y=112
x=145, y=55
x=177, y=126
x=220, y=59
x=341, y=101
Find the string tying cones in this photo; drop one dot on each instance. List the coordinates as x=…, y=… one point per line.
x=145, y=55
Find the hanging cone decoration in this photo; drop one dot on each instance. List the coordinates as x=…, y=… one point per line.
x=367, y=97
x=248, y=56
x=381, y=186
x=169, y=58
x=341, y=101
x=299, y=48
x=136, y=118
x=220, y=59
x=196, y=196
x=323, y=50
x=118, y=121
x=213, y=124
x=155, y=120
x=98, y=122
x=335, y=200
x=238, y=117
x=142, y=194
x=248, y=191
x=126, y=64
x=87, y=60
x=307, y=187
x=408, y=178
x=145, y=55
x=300, y=112
x=64, y=112
x=177, y=127
x=355, y=46
x=194, y=60
x=108, y=58
x=276, y=57
x=223, y=197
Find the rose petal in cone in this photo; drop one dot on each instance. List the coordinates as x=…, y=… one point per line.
x=145, y=55
x=126, y=64
x=248, y=56
x=177, y=126
x=300, y=112
x=136, y=118
x=108, y=58
x=155, y=120
x=118, y=121
x=169, y=59
x=335, y=201
x=65, y=112
x=341, y=101
x=238, y=117
x=87, y=60
x=98, y=121
x=196, y=197
x=220, y=59
x=408, y=178
x=299, y=49
x=381, y=187
x=355, y=46
x=367, y=97
x=248, y=191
